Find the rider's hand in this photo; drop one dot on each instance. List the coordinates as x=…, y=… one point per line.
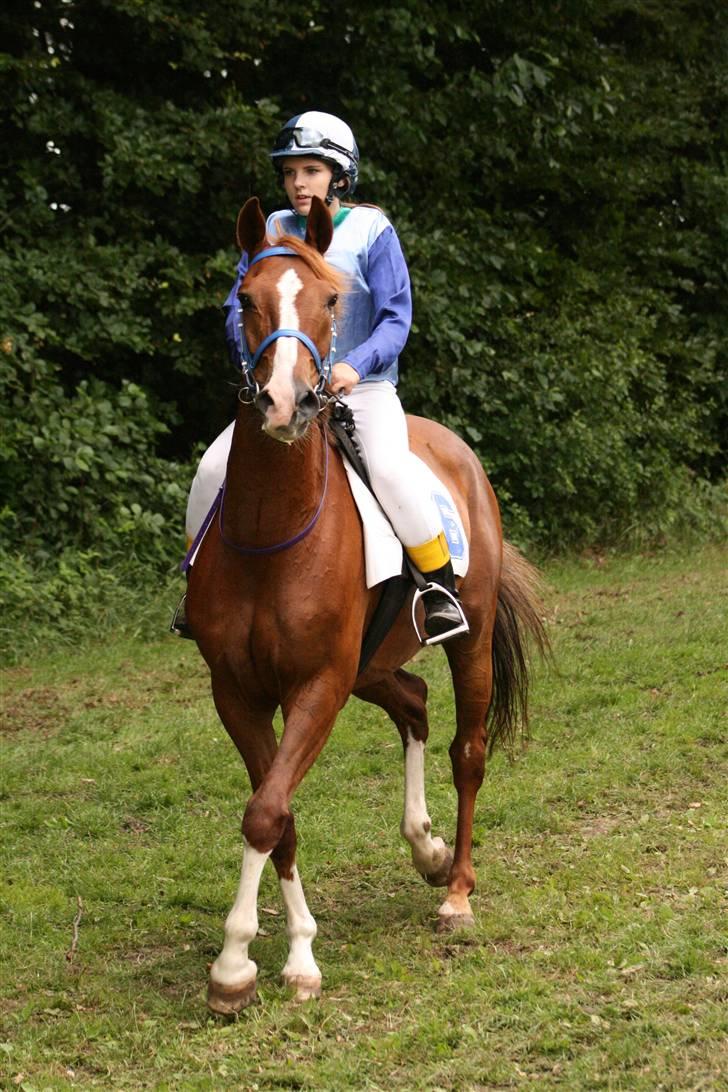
x=343, y=378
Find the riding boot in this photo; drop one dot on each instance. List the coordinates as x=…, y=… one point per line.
x=179, y=624
x=444, y=617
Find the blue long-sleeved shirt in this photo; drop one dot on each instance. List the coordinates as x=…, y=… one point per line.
x=377, y=308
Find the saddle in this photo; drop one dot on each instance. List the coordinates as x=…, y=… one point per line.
x=396, y=588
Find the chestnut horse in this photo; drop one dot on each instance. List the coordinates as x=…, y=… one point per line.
x=278, y=603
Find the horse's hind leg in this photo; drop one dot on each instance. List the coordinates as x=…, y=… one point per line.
x=472, y=675
x=404, y=696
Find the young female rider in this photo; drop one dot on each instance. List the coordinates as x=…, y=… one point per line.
x=315, y=154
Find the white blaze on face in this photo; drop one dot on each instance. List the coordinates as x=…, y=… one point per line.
x=280, y=385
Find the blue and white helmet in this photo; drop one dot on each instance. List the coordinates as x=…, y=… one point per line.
x=324, y=136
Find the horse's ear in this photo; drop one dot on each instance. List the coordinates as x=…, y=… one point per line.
x=250, y=227
x=319, y=226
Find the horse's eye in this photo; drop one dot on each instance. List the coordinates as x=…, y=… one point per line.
x=333, y=301
x=245, y=301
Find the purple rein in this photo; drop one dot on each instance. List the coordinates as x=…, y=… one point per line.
x=262, y=551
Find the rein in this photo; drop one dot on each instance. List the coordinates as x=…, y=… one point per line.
x=250, y=388
x=262, y=551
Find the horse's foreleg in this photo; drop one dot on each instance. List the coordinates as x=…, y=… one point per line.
x=404, y=697
x=268, y=823
x=232, y=979
x=300, y=972
x=233, y=975
x=473, y=682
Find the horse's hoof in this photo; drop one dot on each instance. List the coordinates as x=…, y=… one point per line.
x=448, y=923
x=306, y=986
x=229, y=1000
x=441, y=876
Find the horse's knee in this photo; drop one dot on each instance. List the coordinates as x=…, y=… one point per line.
x=265, y=823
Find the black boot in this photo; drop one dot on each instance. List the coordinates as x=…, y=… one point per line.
x=179, y=623
x=444, y=616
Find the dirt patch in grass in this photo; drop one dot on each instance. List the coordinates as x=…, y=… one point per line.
x=44, y=709
x=599, y=826
x=37, y=709
x=150, y=954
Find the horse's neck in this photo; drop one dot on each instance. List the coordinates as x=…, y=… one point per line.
x=272, y=489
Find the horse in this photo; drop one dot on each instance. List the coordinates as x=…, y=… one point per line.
x=277, y=602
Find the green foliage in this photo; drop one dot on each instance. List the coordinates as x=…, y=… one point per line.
x=557, y=173
x=98, y=484
x=76, y=596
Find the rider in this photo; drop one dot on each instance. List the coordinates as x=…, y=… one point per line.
x=315, y=155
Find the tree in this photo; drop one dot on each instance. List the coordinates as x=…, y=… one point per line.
x=557, y=174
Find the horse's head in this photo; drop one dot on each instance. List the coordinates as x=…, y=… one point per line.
x=287, y=305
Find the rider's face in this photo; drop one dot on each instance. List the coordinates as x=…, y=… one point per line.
x=305, y=177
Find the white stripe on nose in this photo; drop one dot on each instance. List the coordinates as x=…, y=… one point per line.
x=280, y=385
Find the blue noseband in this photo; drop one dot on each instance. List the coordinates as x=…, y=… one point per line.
x=248, y=360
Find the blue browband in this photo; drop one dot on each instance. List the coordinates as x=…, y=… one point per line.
x=249, y=360
x=272, y=252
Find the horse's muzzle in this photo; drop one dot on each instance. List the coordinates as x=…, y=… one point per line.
x=287, y=420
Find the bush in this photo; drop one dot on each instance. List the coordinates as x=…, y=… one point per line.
x=80, y=470
x=78, y=597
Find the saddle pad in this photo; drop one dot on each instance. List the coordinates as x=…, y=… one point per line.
x=382, y=548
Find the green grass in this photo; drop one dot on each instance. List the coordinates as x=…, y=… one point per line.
x=599, y=957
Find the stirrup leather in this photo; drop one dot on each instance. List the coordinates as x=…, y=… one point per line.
x=463, y=626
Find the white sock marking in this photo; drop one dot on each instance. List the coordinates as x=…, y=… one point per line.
x=301, y=931
x=428, y=853
x=232, y=967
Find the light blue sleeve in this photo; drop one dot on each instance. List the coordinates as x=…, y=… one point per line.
x=389, y=284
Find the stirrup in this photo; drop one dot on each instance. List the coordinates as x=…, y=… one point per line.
x=456, y=631
x=179, y=624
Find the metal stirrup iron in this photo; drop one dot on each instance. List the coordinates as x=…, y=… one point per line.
x=456, y=631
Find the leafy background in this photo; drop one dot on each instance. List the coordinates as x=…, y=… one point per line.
x=557, y=174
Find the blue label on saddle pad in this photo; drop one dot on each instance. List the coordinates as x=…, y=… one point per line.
x=450, y=525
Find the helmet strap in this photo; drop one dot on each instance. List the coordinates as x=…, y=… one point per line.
x=335, y=187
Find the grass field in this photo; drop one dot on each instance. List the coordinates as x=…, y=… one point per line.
x=599, y=956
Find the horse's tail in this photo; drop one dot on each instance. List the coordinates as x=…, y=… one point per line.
x=517, y=618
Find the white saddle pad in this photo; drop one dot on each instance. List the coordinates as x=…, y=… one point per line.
x=382, y=548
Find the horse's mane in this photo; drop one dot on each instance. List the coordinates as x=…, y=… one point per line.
x=315, y=262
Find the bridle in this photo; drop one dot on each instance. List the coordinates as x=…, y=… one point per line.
x=250, y=389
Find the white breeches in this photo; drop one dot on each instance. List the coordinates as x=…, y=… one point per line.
x=208, y=479
x=382, y=430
